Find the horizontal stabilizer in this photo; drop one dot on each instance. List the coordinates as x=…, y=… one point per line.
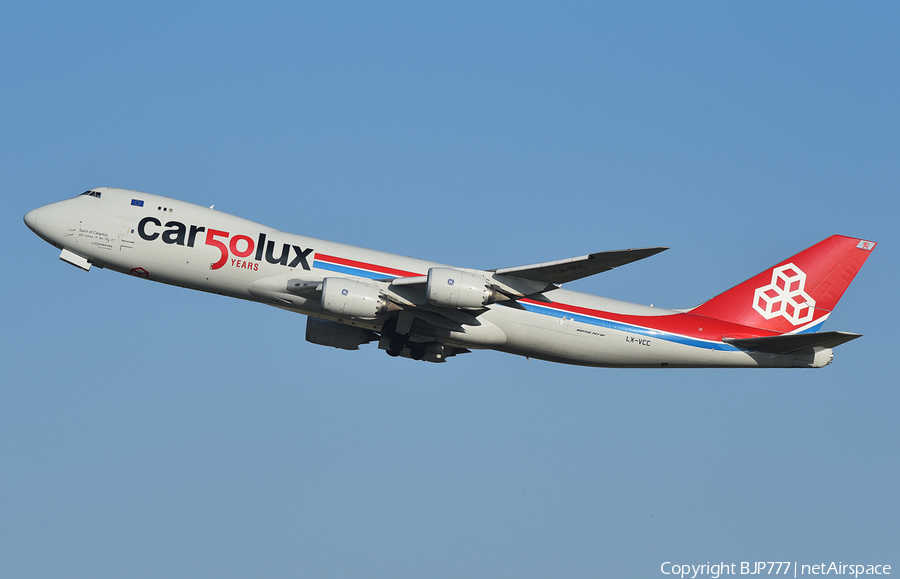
x=566, y=270
x=788, y=343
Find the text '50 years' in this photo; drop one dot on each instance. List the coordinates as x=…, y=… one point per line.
x=239, y=246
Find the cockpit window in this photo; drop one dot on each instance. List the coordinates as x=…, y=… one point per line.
x=92, y=194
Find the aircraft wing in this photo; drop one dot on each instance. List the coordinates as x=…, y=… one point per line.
x=566, y=270
x=532, y=280
x=788, y=343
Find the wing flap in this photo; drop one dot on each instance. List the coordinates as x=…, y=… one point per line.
x=789, y=343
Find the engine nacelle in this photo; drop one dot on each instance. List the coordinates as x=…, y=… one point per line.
x=346, y=297
x=326, y=333
x=453, y=288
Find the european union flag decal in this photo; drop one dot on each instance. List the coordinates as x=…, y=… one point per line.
x=137, y=202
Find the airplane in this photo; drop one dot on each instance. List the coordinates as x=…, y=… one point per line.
x=430, y=311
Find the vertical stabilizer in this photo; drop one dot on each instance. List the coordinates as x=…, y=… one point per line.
x=797, y=294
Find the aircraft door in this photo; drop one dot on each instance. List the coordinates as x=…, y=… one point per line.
x=77, y=220
x=79, y=235
x=129, y=226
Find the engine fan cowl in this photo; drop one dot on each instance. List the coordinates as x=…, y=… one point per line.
x=454, y=288
x=347, y=297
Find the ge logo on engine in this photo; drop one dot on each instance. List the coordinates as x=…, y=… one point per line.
x=344, y=292
x=450, y=281
x=785, y=296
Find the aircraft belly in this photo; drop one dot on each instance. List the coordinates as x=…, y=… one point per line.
x=486, y=335
x=579, y=343
x=549, y=338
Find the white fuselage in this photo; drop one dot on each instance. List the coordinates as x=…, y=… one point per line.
x=183, y=244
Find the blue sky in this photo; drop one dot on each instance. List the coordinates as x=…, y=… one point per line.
x=150, y=431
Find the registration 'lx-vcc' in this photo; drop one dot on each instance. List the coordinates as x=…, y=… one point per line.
x=429, y=311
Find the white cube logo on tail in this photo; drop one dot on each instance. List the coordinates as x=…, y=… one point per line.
x=785, y=296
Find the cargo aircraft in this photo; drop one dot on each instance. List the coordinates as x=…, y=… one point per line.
x=428, y=311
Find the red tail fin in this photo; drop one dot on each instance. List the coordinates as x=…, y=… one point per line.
x=797, y=294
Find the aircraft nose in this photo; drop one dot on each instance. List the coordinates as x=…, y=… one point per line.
x=31, y=219
x=49, y=221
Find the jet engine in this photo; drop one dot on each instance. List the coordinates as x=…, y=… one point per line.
x=453, y=288
x=348, y=297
